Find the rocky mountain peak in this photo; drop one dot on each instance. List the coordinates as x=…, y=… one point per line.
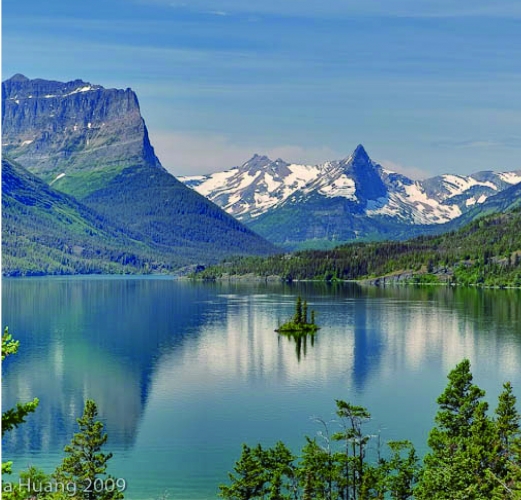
x=20, y=87
x=366, y=175
x=64, y=130
x=18, y=78
x=360, y=154
x=256, y=162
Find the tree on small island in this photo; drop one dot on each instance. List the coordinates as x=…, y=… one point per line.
x=299, y=324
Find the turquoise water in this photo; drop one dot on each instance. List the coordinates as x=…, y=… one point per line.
x=184, y=373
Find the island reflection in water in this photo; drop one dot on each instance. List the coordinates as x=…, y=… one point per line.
x=183, y=373
x=301, y=341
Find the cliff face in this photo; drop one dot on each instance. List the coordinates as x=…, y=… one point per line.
x=74, y=135
x=92, y=143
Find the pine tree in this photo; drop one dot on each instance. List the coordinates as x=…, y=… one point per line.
x=316, y=472
x=458, y=402
x=352, y=419
x=249, y=480
x=402, y=471
x=506, y=469
x=298, y=311
x=13, y=417
x=507, y=417
x=85, y=464
x=461, y=443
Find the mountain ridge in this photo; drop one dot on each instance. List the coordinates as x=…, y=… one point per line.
x=92, y=143
x=361, y=199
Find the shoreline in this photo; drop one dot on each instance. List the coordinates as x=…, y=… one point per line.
x=378, y=282
x=245, y=278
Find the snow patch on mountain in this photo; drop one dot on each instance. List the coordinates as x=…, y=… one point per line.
x=342, y=186
x=261, y=185
x=510, y=177
x=458, y=184
x=254, y=187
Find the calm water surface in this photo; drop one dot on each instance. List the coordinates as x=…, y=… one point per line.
x=184, y=373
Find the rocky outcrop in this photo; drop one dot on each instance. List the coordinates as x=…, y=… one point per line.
x=92, y=143
x=65, y=131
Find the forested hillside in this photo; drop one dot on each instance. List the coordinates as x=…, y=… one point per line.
x=45, y=231
x=486, y=251
x=92, y=144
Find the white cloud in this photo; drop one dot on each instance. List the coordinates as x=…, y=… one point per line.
x=183, y=153
x=188, y=153
x=411, y=172
x=303, y=155
x=509, y=142
x=221, y=13
x=408, y=8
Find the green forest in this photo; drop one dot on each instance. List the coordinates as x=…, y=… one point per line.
x=474, y=454
x=485, y=252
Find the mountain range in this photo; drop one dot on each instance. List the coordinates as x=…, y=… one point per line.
x=351, y=199
x=92, y=144
x=83, y=191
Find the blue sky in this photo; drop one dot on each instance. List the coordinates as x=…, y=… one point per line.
x=428, y=86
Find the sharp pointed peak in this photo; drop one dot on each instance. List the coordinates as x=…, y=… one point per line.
x=360, y=153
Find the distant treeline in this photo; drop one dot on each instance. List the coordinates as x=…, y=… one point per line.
x=485, y=252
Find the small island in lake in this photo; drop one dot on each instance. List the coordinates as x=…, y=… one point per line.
x=299, y=323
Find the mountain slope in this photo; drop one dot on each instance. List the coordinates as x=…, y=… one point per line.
x=92, y=143
x=486, y=251
x=254, y=187
x=45, y=231
x=506, y=200
x=350, y=199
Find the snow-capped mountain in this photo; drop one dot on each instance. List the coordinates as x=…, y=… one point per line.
x=254, y=187
x=342, y=200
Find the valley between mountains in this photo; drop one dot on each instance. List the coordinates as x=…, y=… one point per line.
x=84, y=192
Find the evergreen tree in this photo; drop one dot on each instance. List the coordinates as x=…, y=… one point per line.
x=298, y=311
x=305, y=312
x=461, y=443
x=458, y=402
x=401, y=471
x=13, y=417
x=249, y=480
x=85, y=464
x=507, y=418
x=278, y=462
x=352, y=419
x=316, y=472
x=506, y=470
x=262, y=473
x=33, y=484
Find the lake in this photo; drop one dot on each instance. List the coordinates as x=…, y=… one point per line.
x=183, y=372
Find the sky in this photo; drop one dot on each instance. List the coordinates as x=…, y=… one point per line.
x=427, y=86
